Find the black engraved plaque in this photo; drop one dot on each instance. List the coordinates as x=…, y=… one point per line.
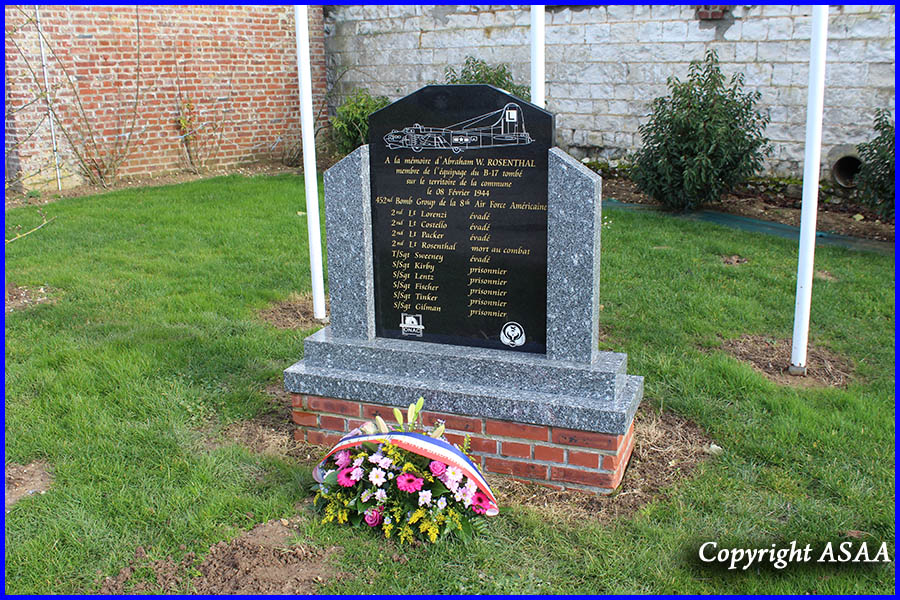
x=459, y=218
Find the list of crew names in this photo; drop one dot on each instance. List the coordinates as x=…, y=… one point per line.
x=460, y=246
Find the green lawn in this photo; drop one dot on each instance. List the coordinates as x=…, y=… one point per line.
x=154, y=336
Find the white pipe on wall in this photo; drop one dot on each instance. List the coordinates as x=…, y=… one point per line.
x=37, y=20
x=537, y=55
x=814, y=107
x=301, y=22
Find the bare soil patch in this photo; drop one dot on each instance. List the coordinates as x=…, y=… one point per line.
x=294, y=313
x=21, y=481
x=270, y=433
x=23, y=297
x=668, y=448
x=734, y=259
x=260, y=561
x=824, y=276
x=771, y=357
x=759, y=203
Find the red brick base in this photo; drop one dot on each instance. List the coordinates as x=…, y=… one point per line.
x=552, y=456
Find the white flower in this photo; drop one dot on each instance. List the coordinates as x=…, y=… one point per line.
x=366, y=495
x=425, y=498
x=387, y=519
x=356, y=474
x=471, y=487
x=385, y=463
x=390, y=475
x=454, y=473
x=452, y=485
x=377, y=477
x=441, y=503
x=358, y=461
x=375, y=459
x=380, y=495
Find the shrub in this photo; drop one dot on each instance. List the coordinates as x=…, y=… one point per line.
x=702, y=139
x=350, y=127
x=475, y=70
x=876, y=174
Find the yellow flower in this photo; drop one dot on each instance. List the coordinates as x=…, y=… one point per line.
x=406, y=534
x=418, y=514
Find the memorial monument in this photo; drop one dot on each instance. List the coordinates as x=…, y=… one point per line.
x=463, y=263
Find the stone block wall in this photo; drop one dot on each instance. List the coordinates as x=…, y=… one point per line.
x=555, y=457
x=236, y=66
x=605, y=63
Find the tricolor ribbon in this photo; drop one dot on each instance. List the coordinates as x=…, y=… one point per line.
x=423, y=445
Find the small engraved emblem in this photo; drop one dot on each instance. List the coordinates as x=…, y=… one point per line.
x=411, y=325
x=512, y=334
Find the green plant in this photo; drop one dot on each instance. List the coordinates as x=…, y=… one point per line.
x=701, y=140
x=876, y=175
x=350, y=126
x=475, y=70
x=621, y=168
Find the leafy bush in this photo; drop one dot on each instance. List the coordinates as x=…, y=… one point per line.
x=475, y=70
x=701, y=140
x=876, y=174
x=350, y=127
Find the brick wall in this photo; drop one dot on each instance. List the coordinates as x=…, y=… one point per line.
x=552, y=456
x=605, y=63
x=232, y=70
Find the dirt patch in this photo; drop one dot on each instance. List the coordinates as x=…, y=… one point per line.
x=771, y=357
x=667, y=449
x=270, y=433
x=824, y=276
x=734, y=259
x=758, y=203
x=260, y=561
x=21, y=297
x=21, y=481
x=294, y=313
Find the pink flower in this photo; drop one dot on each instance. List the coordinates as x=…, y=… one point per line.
x=437, y=468
x=373, y=517
x=408, y=482
x=344, y=477
x=454, y=474
x=342, y=458
x=480, y=502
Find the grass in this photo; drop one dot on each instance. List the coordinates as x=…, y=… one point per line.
x=154, y=339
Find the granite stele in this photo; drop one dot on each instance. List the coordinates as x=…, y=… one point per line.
x=463, y=264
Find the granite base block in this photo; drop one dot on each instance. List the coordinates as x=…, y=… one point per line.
x=518, y=387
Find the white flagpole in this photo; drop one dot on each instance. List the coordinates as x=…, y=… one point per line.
x=537, y=55
x=814, y=107
x=301, y=22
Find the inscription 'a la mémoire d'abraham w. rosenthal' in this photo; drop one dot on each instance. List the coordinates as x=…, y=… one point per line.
x=459, y=217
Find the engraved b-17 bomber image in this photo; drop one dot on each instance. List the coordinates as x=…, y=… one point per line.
x=504, y=127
